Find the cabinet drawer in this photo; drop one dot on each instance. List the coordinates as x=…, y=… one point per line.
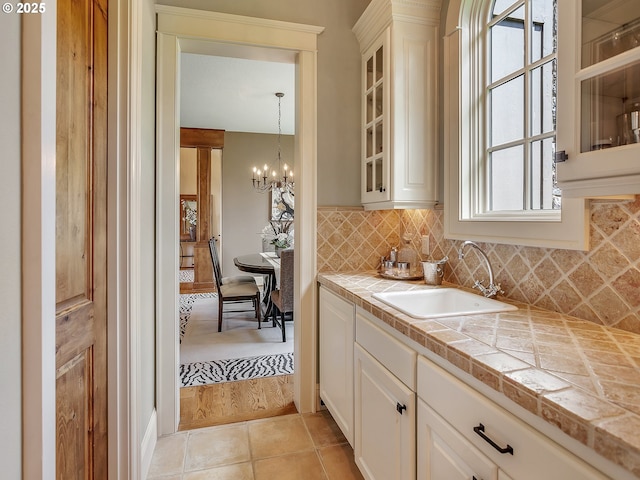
x=445, y=454
x=534, y=455
x=395, y=356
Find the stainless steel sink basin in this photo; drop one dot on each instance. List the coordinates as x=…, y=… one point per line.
x=441, y=302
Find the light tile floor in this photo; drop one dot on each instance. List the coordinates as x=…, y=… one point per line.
x=289, y=447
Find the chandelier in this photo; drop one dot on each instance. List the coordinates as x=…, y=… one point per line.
x=280, y=176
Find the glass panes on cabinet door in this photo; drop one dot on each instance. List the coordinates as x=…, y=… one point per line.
x=373, y=167
x=610, y=102
x=608, y=29
x=610, y=109
x=374, y=83
x=374, y=175
x=379, y=63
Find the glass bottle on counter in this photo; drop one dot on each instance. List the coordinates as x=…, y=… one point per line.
x=407, y=258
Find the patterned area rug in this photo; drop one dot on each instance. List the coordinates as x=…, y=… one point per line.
x=219, y=371
x=186, y=305
x=240, y=352
x=185, y=276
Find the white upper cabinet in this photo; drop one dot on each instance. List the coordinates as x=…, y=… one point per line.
x=399, y=45
x=598, y=117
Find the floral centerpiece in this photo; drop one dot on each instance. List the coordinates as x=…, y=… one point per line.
x=279, y=234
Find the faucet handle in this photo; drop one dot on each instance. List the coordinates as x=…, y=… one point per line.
x=493, y=290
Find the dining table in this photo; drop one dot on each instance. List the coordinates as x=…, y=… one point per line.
x=264, y=263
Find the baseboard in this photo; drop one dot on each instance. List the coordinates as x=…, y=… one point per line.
x=148, y=444
x=319, y=403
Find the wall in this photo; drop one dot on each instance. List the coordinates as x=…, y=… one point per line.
x=244, y=211
x=338, y=82
x=10, y=253
x=601, y=285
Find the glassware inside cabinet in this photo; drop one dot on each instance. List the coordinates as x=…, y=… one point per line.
x=610, y=96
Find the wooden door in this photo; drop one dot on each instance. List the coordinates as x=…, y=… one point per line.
x=81, y=221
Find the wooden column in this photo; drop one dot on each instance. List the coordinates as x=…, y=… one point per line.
x=203, y=140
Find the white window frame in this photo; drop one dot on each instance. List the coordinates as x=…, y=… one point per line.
x=464, y=87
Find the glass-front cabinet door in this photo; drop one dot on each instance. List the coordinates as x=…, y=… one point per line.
x=598, y=146
x=375, y=169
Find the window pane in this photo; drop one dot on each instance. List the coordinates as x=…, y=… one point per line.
x=543, y=105
x=507, y=179
x=542, y=35
x=500, y=6
x=507, y=112
x=542, y=174
x=507, y=45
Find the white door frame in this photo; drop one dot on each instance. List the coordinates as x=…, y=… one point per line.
x=193, y=31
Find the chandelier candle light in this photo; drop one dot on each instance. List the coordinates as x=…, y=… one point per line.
x=267, y=178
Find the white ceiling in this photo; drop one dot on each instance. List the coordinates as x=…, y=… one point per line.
x=235, y=94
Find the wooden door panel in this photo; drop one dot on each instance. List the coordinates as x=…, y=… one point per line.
x=75, y=333
x=74, y=423
x=81, y=234
x=73, y=137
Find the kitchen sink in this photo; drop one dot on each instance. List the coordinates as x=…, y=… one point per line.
x=441, y=302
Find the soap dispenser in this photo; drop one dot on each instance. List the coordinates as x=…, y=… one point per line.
x=407, y=258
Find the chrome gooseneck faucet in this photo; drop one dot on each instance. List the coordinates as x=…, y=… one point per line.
x=492, y=289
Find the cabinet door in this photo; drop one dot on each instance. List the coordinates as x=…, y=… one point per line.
x=375, y=122
x=598, y=119
x=336, y=359
x=444, y=454
x=384, y=421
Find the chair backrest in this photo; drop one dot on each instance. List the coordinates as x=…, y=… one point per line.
x=286, y=279
x=217, y=272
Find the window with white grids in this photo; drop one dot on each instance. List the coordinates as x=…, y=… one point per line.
x=500, y=86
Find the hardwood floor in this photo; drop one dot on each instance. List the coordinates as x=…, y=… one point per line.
x=230, y=402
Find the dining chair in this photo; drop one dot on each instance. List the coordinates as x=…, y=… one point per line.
x=218, y=271
x=282, y=298
x=232, y=291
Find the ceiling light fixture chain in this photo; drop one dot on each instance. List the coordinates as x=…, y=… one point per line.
x=267, y=178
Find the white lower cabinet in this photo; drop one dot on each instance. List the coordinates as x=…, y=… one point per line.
x=337, y=336
x=464, y=432
x=445, y=454
x=408, y=418
x=384, y=421
x=385, y=403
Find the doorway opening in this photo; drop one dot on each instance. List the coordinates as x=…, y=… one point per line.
x=230, y=100
x=219, y=34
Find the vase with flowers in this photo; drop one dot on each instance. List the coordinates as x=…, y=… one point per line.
x=279, y=234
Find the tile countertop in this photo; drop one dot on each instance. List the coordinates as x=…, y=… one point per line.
x=579, y=376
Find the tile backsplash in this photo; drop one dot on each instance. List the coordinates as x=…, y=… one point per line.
x=601, y=285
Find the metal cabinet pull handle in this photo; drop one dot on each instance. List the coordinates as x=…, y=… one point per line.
x=480, y=431
x=400, y=408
